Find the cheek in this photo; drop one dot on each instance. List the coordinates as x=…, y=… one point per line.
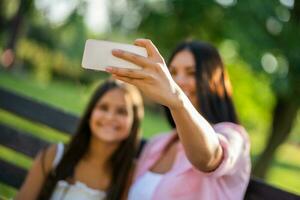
x=92, y=121
x=193, y=90
x=192, y=84
x=127, y=124
x=92, y=117
x=95, y=115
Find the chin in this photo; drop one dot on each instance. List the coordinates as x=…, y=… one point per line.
x=109, y=139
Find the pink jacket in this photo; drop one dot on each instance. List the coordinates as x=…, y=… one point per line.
x=184, y=182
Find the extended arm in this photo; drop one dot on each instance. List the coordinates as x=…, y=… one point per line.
x=154, y=80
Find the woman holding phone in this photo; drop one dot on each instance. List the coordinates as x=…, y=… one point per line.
x=206, y=156
x=98, y=162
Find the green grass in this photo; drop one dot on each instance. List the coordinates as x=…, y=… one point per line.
x=68, y=96
x=285, y=172
x=73, y=97
x=7, y=192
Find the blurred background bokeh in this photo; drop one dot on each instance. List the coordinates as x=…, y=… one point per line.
x=42, y=41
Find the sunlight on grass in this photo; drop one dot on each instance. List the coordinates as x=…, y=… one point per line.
x=288, y=153
x=284, y=178
x=70, y=97
x=7, y=192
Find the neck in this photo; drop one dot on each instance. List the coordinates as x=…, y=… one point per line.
x=99, y=152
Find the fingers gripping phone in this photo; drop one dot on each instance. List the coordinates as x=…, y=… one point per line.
x=97, y=55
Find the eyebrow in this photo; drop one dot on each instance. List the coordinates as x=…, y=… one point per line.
x=188, y=66
x=107, y=102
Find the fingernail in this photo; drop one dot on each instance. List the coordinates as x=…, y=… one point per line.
x=137, y=41
x=117, y=51
x=108, y=69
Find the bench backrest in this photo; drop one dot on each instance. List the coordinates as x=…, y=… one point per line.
x=23, y=142
x=29, y=145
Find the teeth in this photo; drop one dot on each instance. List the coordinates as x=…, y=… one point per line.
x=106, y=126
x=109, y=128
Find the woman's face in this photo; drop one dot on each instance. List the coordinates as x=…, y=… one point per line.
x=183, y=69
x=112, y=117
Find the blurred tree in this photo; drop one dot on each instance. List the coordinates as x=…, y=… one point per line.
x=267, y=33
x=2, y=19
x=168, y=21
x=46, y=48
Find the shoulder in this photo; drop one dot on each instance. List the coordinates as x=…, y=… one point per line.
x=37, y=174
x=229, y=129
x=228, y=125
x=159, y=138
x=156, y=142
x=47, y=156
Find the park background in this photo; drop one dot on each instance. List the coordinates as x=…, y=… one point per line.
x=42, y=41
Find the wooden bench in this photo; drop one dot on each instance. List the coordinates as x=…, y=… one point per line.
x=42, y=113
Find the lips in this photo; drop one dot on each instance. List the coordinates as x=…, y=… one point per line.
x=107, y=127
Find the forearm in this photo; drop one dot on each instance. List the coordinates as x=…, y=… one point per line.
x=196, y=135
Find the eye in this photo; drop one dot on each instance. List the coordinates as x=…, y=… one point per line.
x=122, y=111
x=173, y=72
x=102, y=107
x=191, y=71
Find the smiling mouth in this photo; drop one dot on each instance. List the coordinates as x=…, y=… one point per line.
x=107, y=127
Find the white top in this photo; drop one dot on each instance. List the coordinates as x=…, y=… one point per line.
x=144, y=187
x=77, y=191
x=59, y=154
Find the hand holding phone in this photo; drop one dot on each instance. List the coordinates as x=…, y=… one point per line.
x=98, y=55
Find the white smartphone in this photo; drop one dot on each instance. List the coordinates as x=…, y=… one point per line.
x=97, y=55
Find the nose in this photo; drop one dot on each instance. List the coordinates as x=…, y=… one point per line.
x=109, y=115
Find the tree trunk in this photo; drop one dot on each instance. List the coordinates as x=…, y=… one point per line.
x=14, y=30
x=284, y=115
x=2, y=18
x=17, y=21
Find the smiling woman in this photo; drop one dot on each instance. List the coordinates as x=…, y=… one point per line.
x=98, y=161
x=206, y=156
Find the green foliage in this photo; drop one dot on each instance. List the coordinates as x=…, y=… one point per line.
x=46, y=63
x=259, y=27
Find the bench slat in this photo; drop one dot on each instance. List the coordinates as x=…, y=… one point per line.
x=258, y=190
x=20, y=141
x=11, y=174
x=37, y=111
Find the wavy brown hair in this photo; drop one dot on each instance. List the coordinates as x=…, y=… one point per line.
x=122, y=159
x=213, y=86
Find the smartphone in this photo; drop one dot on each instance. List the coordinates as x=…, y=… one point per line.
x=97, y=55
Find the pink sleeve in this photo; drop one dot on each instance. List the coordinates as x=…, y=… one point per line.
x=235, y=145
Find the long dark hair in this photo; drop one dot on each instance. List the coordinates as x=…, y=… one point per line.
x=212, y=83
x=122, y=159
